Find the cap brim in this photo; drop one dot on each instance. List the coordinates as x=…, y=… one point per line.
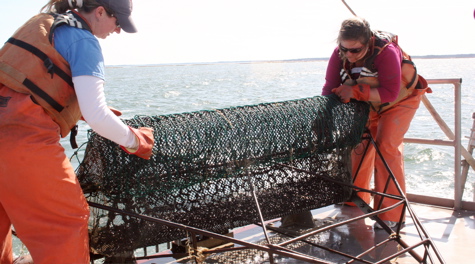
x=126, y=23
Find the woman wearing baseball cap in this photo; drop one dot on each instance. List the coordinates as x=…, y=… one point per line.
x=51, y=76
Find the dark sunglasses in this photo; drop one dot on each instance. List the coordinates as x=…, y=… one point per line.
x=354, y=51
x=112, y=15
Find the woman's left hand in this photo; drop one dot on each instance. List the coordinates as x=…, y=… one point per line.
x=360, y=92
x=345, y=92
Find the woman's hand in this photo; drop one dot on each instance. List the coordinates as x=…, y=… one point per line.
x=345, y=92
x=359, y=92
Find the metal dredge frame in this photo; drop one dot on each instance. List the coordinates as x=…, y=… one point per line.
x=431, y=253
x=394, y=235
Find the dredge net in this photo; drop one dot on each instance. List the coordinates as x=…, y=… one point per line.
x=293, y=155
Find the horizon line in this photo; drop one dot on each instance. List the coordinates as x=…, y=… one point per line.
x=458, y=56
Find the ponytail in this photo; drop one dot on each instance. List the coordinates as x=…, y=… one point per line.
x=62, y=6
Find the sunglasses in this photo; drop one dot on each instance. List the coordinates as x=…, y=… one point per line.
x=112, y=15
x=354, y=51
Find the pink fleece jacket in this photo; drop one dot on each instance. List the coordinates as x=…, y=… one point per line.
x=388, y=65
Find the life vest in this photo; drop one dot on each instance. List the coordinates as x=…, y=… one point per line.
x=30, y=64
x=369, y=74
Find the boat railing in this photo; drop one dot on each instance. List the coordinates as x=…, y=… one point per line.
x=454, y=139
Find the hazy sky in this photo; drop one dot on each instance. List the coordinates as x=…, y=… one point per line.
x=176, y=31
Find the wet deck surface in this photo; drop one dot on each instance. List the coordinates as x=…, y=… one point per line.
x=452, y=233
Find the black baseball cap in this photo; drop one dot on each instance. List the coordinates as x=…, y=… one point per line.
x=122, y=9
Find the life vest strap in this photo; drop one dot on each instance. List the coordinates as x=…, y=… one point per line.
x=415, y=73
x=50, y=66
x=37, y=90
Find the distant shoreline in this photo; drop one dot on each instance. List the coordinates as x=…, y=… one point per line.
x=453, y=56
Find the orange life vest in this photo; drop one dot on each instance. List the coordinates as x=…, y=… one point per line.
x=368, y=75
x=30, y=64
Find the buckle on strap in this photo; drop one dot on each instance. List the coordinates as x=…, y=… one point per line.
x=49, y=66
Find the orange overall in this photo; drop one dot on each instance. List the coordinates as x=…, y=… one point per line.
x=387, y=129
x=39, y=192
x=387, y=124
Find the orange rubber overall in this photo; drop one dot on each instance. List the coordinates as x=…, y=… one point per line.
x=39, y=192
x=387, y=129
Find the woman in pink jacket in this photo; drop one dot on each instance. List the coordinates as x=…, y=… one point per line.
x=369, y=66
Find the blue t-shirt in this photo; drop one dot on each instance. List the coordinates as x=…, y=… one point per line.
x=81, y=49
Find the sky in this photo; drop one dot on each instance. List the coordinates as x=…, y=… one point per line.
x=190, y=31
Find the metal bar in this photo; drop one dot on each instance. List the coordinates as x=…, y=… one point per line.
x=456, y=136
x=349, y=8
x=440, y=121
x=266, y=248
x=439, y=142
x=258, y=208
x=458, y=184
x=185, y=255
x=444, y=81
x=323, y=247
x=370, y=213
x=437, y=201
x=367, y=136
x=448, y=132
x=367, y=209
x=458, y=188
x=470, y=147
x=406, y=202
x=408, y=249
x=421, y=230
x=371, y=249
x=408, y=208
x=326, y=228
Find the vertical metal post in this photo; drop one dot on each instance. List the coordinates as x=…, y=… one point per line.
x=455, y=136
x=458, y=182
x=470, y=147
x=258, y=208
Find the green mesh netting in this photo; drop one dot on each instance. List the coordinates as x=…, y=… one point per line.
x=206, y=164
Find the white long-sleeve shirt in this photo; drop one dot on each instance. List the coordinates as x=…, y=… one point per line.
x=94, y=109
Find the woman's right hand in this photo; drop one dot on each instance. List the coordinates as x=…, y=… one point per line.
x=146, y=140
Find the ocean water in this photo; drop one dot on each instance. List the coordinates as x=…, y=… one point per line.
x=167, y=89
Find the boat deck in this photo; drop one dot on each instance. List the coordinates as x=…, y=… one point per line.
x=452, y=233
